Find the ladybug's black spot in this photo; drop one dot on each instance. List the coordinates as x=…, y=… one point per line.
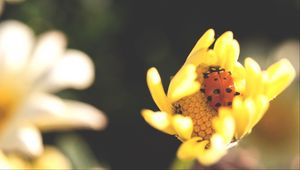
x=218, y=104
x=205, y=75
x=216, y=79
x=229, y=72
x=237, y=93
x=228, y=90
x=209, y=98
x=229, y=103
x=202, y=90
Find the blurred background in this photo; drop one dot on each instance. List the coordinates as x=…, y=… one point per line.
x=125, y=38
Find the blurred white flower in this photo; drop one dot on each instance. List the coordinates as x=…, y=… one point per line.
x=31, y=69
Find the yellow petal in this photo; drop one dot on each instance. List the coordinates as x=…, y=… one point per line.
x=250, y=111
x=243, y=112
x=253, y=78
x=261, y=104
x=280, y=75
x=157, y=91
x=238, y=71
x=224, y=124
x=232, y=55
x=215, y=152
x=51, y=159
x=17, y=162
x=183, y=126
x=191, y=149
x=184, y=83
x=222, y=45
x=209, y=58
x=4, y=162
x=197, y=57
x=159, y=120
x=204, y=42
x=239, y=76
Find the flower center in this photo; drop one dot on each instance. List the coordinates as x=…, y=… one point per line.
x=195, y=106
x=217, y=90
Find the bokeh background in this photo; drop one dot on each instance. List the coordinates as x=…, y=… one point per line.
x=126, y=37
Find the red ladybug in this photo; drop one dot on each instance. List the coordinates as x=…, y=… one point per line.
x=218, y=87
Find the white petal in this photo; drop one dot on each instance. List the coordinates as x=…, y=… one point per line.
x=16, y=40
x=74, y=70
x=50, y=46
x=22, y=138
x=49, y=112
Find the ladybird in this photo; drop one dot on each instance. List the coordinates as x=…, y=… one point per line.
x=218, y=87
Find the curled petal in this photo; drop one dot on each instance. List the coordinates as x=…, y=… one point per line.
x=216, y=151
x=199, y=57
x=232, y=55
x=190, y=149
x=183, y=126
x=239, y=76
x=202, y=57
x=224, y=124
x=280, y=75
x=157, y=91
x=262, y=104
x=222, y=46
x=253, y=78
x=203, y=43
x=184, y=83
x=243, y=112
x=159, y=120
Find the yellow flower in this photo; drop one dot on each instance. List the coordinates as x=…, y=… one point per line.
x=207, y=130
x=51, y=158
x=30, y=70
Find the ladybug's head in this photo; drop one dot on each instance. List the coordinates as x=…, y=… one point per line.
x=215, y=69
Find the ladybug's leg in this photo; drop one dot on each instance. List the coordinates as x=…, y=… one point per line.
x=177, y=109
x=237, y=93
x=202, y=90
x=205, y=75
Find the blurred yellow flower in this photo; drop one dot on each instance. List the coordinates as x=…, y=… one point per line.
x=29, y=71
x=51, y=158
x=207, y=130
